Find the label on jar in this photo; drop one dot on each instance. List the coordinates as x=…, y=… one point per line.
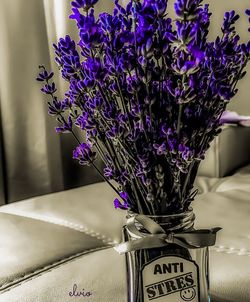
x=172, y=279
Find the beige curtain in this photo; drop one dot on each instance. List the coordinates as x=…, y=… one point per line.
x=2, y=168
x=34, y=160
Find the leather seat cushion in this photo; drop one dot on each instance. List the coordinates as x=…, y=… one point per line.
x=54, y=241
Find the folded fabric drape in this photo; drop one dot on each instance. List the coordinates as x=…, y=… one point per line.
x=37, y=160
x=2, y=168
x=27, y=141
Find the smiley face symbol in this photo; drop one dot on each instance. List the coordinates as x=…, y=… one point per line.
x=188, y=294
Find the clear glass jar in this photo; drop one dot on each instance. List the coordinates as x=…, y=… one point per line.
x=170, y=273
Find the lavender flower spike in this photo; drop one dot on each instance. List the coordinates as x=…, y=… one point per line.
x=147, y=92
x=84, y=154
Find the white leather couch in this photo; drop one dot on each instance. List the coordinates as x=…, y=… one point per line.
x=50, y=243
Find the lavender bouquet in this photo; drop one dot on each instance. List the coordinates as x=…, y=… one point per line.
x=148, y=93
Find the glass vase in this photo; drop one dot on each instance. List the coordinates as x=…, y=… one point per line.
x=170, y=273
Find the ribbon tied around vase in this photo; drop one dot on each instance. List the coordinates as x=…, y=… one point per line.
x=155, y=236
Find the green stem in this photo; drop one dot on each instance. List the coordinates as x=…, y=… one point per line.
x=187, y=180
x=105, y=178
x=125, y=109
x=179, y=120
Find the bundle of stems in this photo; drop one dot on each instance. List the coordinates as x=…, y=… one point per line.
x=147, y=92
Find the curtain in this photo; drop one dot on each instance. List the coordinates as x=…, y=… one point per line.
x=34, y=160
x=2, y=170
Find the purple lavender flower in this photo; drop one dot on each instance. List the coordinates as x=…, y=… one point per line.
x=67, y=58
x=186, y=153
x=89, y=31
x=66, y=126
x=109, y=172
x=55, y=107
x=229, y=20
x=84, y=154
x=82, y=121
x=85, y=4
x=187, y=9
x=125, y=204
x=65, y=46
x=49, y=88
x=119, y=205
x=44, y=75
x=248, y=13
x=160, y=149
x=148, y=93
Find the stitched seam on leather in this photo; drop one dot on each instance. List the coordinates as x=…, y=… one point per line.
x=230, y=250
x=65, y=223
x=39, y=272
